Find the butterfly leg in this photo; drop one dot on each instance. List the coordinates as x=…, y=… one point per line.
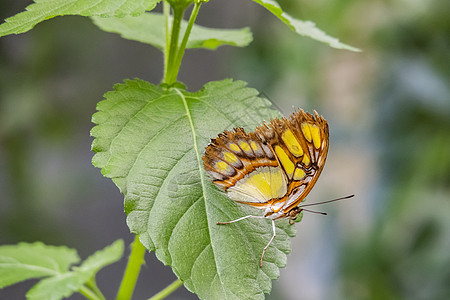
x=240, y=219
x=258, y=217
x=268, y=244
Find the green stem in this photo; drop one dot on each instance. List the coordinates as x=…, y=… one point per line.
x=168, y=290
x=89, y=294
x=173, y=47
x=92, y=285
x=135, y=261
x=166, y=10
x=180, y=52
x=176, y=53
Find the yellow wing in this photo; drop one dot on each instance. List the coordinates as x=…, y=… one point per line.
x=273, y=168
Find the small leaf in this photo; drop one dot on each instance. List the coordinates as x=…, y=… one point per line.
x=64, y=285
x=26, y=261
x=58, y=287
x=149, y=28
x=102, y=258
x=305, y=28
x=150, y=141
x=43, y=10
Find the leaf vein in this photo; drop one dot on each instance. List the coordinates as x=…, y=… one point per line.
x=162, y=184
x=151, y=139
x=202, y=179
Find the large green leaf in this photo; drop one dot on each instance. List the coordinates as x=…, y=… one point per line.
x=43, y=10
x=150, y=142
x=149, y=28
x=305, y=28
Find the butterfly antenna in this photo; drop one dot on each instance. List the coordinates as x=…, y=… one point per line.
x=328, y=201
x=316, y=212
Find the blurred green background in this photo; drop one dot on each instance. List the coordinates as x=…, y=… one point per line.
x=389, y=114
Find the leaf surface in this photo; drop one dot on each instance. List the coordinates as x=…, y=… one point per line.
x=149, y=141
x=42, y=10
x=65, y=284
x=26, y=261
x=57, y=287
x=149, y=28
x=102, y=258
x=305, y=28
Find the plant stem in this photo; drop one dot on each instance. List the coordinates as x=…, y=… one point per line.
x=166, y=11
x=89, y=294
x=135, y=261
x=175, y=53
x=180, y=52
x=168, y=290
x=173, y=46
x=92, y=285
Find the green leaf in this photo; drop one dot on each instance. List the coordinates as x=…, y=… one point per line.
x=57, y=287
x=102, y=258
x=64, y=285
x=43, y=10
x=305, y=28
x=150, y=141
x=26, y=261
x=149, y=28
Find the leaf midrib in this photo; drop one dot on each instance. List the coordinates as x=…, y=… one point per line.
x=51, y=272
x=202, y=178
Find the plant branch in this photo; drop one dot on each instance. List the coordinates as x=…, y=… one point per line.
x=181, y=49
x=166, y=11
x=89, y=294
x=92, y=285
x=173, y=46
x=135, y=262
x=168, y=290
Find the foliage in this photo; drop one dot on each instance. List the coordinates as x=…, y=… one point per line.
x=149, y=140
x=169, y=200
x=147, y=29
x=43, y=10
x=305, y=28
x=55, y=264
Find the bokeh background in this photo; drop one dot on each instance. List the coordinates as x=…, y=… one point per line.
x=388, y=109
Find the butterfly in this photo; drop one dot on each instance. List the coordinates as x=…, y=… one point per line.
x=272, y=168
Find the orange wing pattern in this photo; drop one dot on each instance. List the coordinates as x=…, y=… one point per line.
x=272, y=168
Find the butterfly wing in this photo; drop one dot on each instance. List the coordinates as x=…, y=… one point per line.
x=273, y=168
x=245, y=167
x=300, y=144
